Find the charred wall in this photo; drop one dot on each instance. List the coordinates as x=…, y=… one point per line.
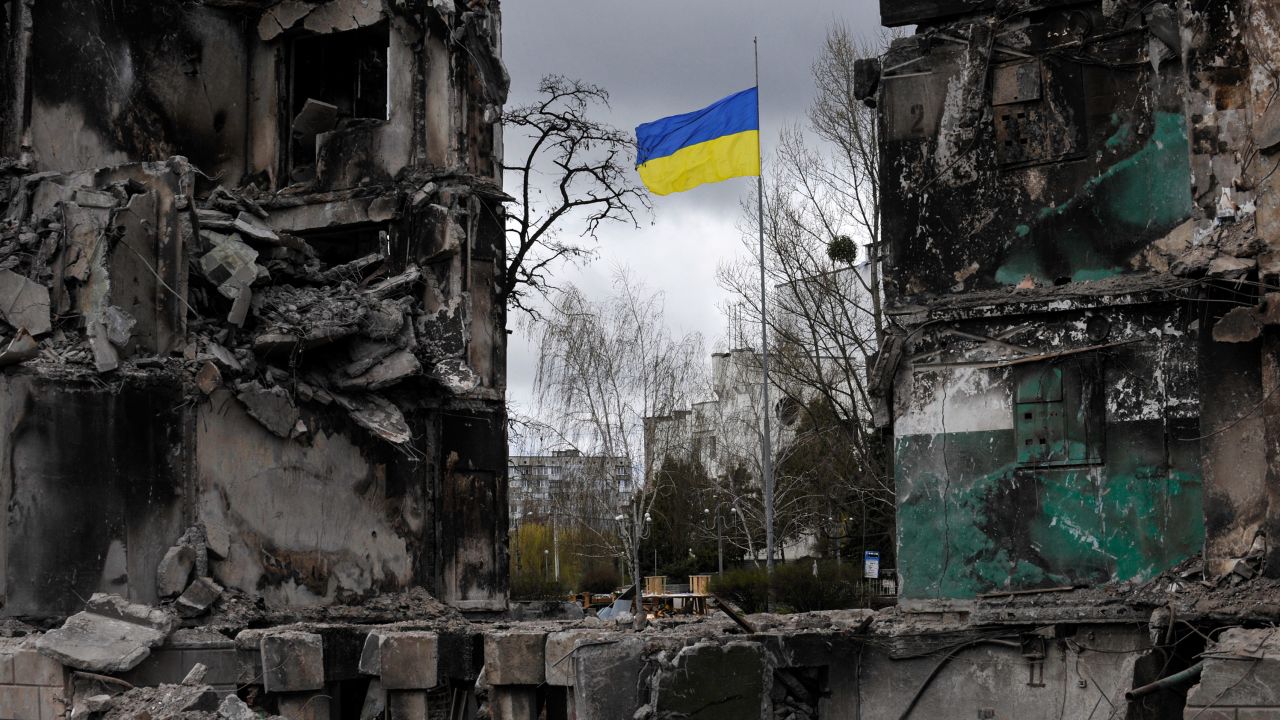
x=1040, y=159
x=91, y=478
x=259, y=241
x=1071, y=462
x=1045, y=150
x=112, y=81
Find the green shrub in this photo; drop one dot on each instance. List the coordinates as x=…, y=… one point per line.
x=535, y=587
x=796, y=588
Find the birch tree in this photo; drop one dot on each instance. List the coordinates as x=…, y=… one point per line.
x=603, y=367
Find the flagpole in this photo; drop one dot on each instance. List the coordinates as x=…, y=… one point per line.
x=766, y=450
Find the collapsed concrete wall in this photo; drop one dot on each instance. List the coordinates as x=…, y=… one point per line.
x=247, y=266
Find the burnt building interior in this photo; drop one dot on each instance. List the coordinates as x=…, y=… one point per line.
x=252, y=362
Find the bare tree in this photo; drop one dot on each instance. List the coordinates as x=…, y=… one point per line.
x=603, y=367
x=825, y=317
x=574, y=169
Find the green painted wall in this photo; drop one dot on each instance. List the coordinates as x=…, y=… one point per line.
x=970, y=520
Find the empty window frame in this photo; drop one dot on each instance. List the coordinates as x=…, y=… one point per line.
x=335, y=80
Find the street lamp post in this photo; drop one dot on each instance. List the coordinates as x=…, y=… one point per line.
x=648, y=532
x=719, y=528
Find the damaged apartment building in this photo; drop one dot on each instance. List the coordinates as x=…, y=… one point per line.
x=1082, y=255
x=250, y=338
x=252, y=370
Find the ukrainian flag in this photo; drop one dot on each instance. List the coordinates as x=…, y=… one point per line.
x=715, y=143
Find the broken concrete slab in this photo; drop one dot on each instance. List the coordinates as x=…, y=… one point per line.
x=396, y=285
x=225, y=359
x=368, y=354
x=196, y=675
x=315, y=117
x=396, y=367
x=456, y=376
x=230, y=265
x=198, y=597
x=209, y=378
x=515, y=657
x=253, y=228
x=20, y=349
x=292, y=662
x=233, y=708
x=105, y=356
x=174, y=571
x=282, y=17
x=404, y=660
x=217, y=536
x=240, y=308
x=343, y=15
x=24, y=304
x=377, y=415
x=1237, y=326
x=610, y=678
x=210, y=219
x=1231, y=268
x=271, y=407
x=111, y=635
x=560, y=651
x=119, y=325
x=713, y=681
x=375, y=701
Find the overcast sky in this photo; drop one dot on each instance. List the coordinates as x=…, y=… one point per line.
x=659, y=58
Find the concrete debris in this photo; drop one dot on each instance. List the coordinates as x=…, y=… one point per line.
x=230, y=265
x=375, y=701
x=388, y=372
x=398, y=285
x=198, y=598
x=251, y=227
x=316, y=117
x=21, y=348
x=1244, y=324
x=1231, y=268
x=24, y=304
x=270, y=406
x=174, y=571
x=377, y=415
x=119, y=325
x=292, y=661
x=456, y=376
x=111, y=635
x=197, y=675
x=168, y=702
x=105, y=356
x=217, y=538
x=209, y=378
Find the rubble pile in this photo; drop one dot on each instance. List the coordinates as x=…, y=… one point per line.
x=266, y=318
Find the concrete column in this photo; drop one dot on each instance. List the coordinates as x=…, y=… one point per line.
x=513, y=702
x=406, y=705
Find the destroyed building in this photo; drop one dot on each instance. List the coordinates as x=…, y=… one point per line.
x=253, y=362
x=247, y=262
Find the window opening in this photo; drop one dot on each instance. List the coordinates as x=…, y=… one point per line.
x=337, y=81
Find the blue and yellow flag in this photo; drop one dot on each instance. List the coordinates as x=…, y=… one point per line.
x=705, y=146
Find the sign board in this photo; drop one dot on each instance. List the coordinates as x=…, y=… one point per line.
x=871, y=564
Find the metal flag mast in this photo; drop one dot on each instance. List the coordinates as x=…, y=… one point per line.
x=766, y=450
